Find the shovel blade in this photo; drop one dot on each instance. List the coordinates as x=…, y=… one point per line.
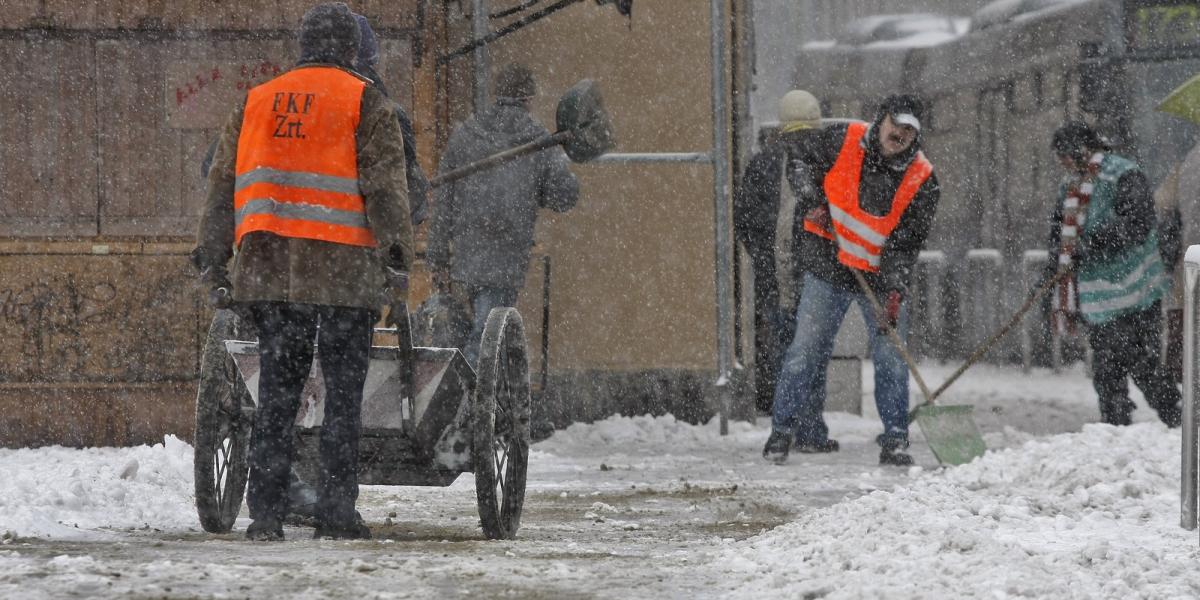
x=951, y=433
x=581, y=111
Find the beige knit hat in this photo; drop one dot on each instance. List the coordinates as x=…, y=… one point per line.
x=799, y=109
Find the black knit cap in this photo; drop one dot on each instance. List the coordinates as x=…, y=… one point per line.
x=329, y=33
x=515, y=80
x=1075, y=137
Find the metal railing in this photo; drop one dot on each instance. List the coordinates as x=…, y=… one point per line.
x=927, y=306
x=979, y=305
x=1189, y=452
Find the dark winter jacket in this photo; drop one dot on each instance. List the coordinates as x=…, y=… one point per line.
x=879, y=180
x=757, y=204
x=483, y=224
x=756, y=201
x=269, y=267
x=418, y=184
x=1135, y=219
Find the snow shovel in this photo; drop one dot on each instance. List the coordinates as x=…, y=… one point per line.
x=950, y=431
x=584, y=132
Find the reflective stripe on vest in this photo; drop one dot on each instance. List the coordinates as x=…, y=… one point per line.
x=860, y=235
x=1129, y=281
x=297, y=162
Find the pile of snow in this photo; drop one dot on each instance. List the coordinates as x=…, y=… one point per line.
x=68, y=493
x=1082, y=515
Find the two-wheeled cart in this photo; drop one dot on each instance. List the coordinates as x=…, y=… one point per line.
x=455, y=420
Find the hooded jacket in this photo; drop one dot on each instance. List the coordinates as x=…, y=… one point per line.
x=483, y=224
x=877, y=186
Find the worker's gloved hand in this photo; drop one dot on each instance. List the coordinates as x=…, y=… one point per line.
x=891, y=309
x=220, y=290
x=820, y=216
x=396, y=295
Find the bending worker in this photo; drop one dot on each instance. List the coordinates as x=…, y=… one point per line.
x=876, y=202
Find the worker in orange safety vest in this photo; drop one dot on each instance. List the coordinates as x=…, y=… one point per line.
x=876, y=206
x=308, y=185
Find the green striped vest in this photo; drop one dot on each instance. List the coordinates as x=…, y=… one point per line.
x=1130, y=281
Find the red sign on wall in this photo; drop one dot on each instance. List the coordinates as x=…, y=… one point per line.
x=199, y=95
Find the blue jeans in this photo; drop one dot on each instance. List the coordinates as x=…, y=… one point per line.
x=482, y=300
x=800, y=393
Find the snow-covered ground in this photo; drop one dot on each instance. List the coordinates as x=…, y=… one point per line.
x=653, y=507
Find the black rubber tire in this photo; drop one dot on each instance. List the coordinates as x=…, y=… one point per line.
x=500, y=424
x=224, y=421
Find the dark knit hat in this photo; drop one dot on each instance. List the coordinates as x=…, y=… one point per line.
x=1075, y=138
x=905, y=109
x=329, y=33
x=368, y=46
x=514, y=80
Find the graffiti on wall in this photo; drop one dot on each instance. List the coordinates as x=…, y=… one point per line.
x=77, y=318
x=199, y=95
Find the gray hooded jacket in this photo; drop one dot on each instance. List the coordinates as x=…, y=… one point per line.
x=483, y=224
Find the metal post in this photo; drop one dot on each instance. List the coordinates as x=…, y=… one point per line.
x=979, y=310
x=479, y=30
x=928, y=330
x=1032, y=264
x=1189, y=453
x=722, y=212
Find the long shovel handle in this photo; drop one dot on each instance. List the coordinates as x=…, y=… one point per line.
x=1003, y=331
x=501, y=158
x=891, y=331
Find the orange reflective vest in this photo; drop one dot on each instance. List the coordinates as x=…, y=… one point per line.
x=860, y=236
x=297, y=162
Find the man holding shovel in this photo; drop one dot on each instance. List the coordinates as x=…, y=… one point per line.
x=1104, y=228
x=483, y=224
x=876, y=202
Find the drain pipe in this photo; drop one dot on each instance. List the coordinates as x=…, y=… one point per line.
x=1191, y=266
x=479, y=30
x=723, y=218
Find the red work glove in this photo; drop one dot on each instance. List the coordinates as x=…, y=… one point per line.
x=891, y=309
x=820, y=216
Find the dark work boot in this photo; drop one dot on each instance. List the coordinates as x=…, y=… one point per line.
x=777, y=447
x=265, y=530
x=355, y=530
x=1117, y=411
x=1172, y=416
x=892, y=452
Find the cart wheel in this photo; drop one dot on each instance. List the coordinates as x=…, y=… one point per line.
x=224, y=420
x=500, y=424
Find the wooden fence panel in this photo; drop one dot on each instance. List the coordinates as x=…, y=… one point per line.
x=208, y=14
x=48, y=161
x=140, y=158
x=19, y=14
